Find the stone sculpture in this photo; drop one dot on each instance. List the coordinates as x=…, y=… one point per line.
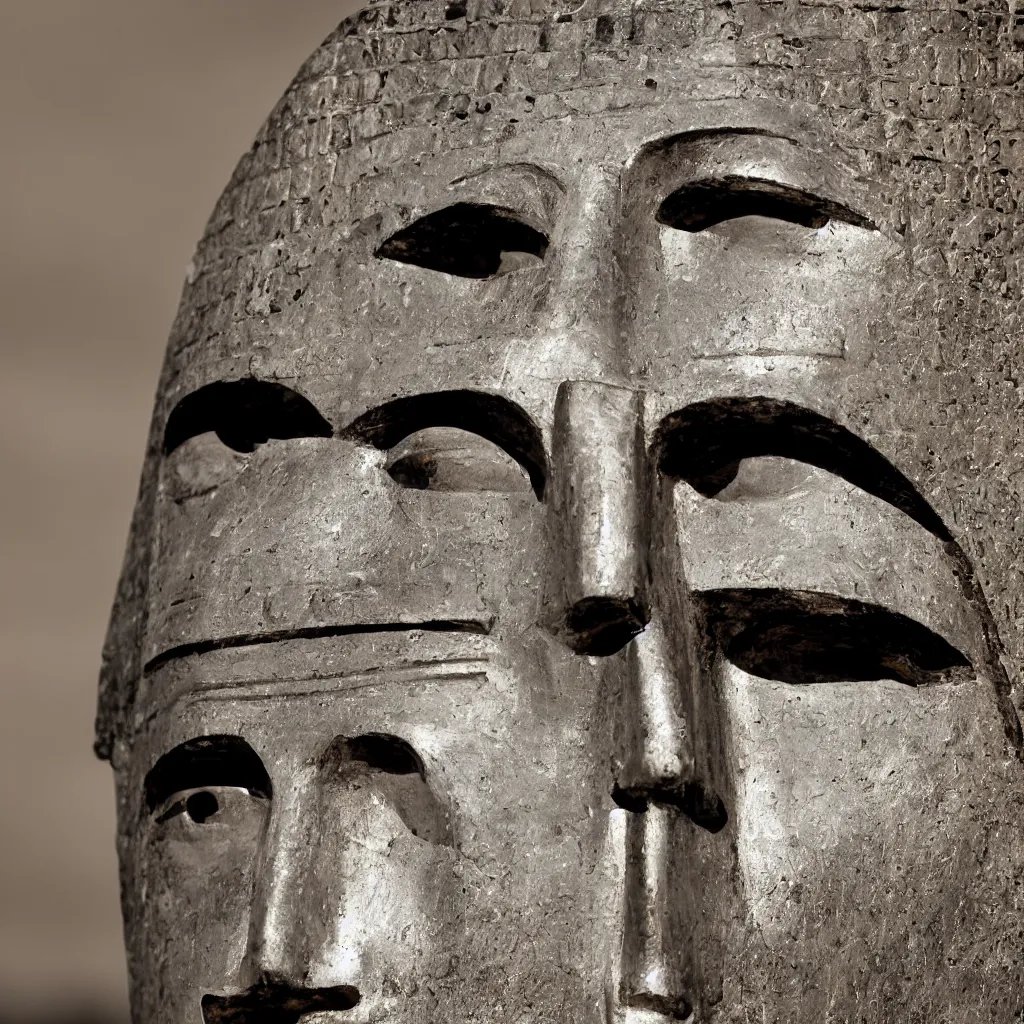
x=577, y=569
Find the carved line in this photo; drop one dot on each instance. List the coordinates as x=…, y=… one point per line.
x=230, y=693
x=316, y=633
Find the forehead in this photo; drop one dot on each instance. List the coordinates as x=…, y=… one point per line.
x=443, y=694
x=308, y=301
x=413, y=106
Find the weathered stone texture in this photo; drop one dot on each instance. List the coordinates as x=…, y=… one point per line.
x=924, y=100
x=634, y=783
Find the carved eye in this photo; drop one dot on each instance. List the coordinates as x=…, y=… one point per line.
x=394, y=771
x=803, y=637
x=474, y=240
x=210, y=431
x=243, y=414
x=211, y=780
x=449, y=459
x=700, y=205
x=213, y=805
x=200, y=466
x=763, y=478
x=707, y=443
x=483, y=428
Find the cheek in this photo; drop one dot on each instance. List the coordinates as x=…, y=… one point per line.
x=315, y=535
x=197, y=885
x=859, y=807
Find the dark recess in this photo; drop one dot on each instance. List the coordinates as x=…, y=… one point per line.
x=491, y=416
x=465, y=240
x=665, y=1006
x=383, y=753
x=244, y=413
x=206, y=761
x=601, y=626
x=704, y=444
x=277, y=1004
x=703, y=807
x=703, y=204
x=804, y=637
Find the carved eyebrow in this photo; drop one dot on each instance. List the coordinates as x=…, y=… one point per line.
x=704, y=444
x=501, y=175
x=206, y=761
x=491, y=416
x=244, y=413
x=702, y=204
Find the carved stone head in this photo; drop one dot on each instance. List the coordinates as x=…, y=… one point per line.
x=577, y=570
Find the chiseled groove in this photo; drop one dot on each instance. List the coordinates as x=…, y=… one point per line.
x=315, y=633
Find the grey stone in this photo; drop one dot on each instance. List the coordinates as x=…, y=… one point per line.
x=577, y=570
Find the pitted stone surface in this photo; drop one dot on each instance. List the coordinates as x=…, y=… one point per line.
x=661, y=564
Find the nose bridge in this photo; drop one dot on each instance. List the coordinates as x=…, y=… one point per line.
x=659, y=756
x=585, y=296
x=651, y=979
x=598, y=486
x=278, y=939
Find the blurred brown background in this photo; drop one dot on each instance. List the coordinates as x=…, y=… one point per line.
x=121, y=121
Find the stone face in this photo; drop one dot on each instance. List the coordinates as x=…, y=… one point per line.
x=577, y=567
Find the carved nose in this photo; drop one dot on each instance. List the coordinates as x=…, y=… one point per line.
x=662, y=785
x=342, y=880
x=657, y=769
x=659, y=765
x=597, y=481
x=659, y=759
x=651, y=982
x=278, y=931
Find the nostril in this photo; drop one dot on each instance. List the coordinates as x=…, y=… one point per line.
x=604, y=625
x=673, y=1007
x=630, y=800
x=701, y=805
x=270, y=1003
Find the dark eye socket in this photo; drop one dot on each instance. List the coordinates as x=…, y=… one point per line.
x=802, y=637
x=703, y=204
x=473, y=240
x=244, y=413
x=705, y=443
x=492, y=417
x=207, y=762
x=391, y=766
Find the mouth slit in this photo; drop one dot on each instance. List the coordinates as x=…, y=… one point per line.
x=272, y=1004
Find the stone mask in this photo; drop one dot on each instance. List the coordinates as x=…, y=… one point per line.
x=576, y=575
